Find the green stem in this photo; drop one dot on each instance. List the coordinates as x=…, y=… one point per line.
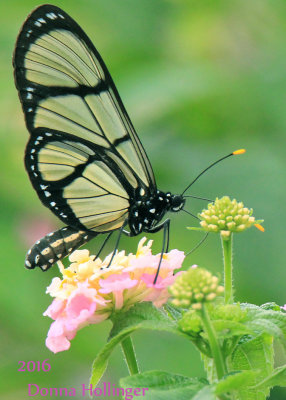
x=129, y=354
x=227, y=261
x=214, y=345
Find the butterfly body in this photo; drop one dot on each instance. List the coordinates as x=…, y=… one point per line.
x=84, y=158
x=147, y=211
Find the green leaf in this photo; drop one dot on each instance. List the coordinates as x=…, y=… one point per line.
x=165, y=386
x=142, y=315
x=227, y=329
x=277, y=378
x=235, y=381
x=100, y=363
x=207, y=393
x=254, y=354
x=266, y=320
x=173, y=312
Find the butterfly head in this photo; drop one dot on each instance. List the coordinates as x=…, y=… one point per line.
x=177, y=202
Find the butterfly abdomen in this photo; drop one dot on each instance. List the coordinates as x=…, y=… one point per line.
x=55, y=246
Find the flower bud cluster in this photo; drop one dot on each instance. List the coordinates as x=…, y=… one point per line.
x=194, y=287
x=226, y=216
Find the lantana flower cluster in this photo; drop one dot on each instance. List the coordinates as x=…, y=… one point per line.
x=195, y=287
x=90, y=290
x=226, y=216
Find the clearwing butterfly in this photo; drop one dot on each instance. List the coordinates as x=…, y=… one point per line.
x=84, y=158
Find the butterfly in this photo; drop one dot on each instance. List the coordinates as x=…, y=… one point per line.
x=84, y=158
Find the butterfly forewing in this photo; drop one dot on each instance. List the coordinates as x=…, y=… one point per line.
x=84, y=157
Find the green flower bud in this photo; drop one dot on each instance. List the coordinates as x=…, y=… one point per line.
x=194, y=287
x=191, y=323
x=226, y=216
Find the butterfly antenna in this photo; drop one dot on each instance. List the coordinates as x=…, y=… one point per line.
x=199, y=198
x=234, y=153
x=198, y=245
x=188, y=212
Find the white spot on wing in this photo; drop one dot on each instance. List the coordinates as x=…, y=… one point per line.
x=51, y=15
x=47, y=194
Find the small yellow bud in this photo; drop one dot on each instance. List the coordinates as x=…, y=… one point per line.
x=211, y=296
x=226, y=216
x=193, y=287
x=197, y=306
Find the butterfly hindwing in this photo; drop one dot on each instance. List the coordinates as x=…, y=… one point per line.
x=84, y=158
x=81, y=184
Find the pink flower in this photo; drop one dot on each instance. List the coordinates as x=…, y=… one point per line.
x=91, y=290
x=70, y=315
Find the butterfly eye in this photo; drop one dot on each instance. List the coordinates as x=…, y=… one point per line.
x=177, y=203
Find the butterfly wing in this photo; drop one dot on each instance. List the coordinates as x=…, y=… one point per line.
x=84, y=158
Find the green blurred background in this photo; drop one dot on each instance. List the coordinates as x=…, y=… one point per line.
x=199, y=80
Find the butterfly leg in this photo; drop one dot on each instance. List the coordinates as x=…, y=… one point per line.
x=165, y=246
x=117, y=241
x=103, y=245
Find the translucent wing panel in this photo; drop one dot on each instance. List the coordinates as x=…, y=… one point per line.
x=69, y=114
x=97, y=206
x=100, y=174
x=116, y=131
x=65, y=86
x=79, y=188
x=60, y=54
x=105, y=222
x=82, y=187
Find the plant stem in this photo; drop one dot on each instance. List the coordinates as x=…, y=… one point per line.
x=227, y=261
x=129, y=354
x=214, y=345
